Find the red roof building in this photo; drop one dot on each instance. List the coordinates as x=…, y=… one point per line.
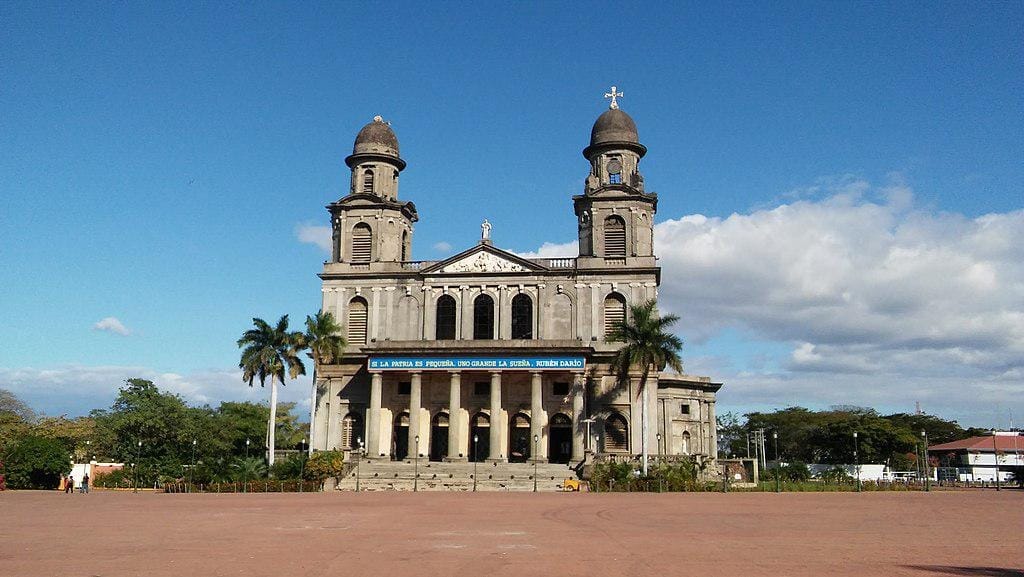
x=977, y=459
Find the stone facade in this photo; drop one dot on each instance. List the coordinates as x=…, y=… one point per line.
x=487, y=355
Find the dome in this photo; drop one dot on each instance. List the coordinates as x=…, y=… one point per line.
x=376, y=141
x=376, y=138
x=614, y=129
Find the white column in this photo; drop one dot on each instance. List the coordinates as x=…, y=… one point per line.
x=578, y=431
x=373, y=448
x=455, y=425
x=465, y=320
x=594, y=312
x=374, y=314
x=538, y=420
x=415, y=404
x=497, y=420
x=388, y=330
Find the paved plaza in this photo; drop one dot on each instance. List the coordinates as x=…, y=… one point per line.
x=392, y=534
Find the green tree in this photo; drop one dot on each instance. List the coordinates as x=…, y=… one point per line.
x=248, y=469
x=326, y=345
x=36, y=463
x=16, y=419
x=325, y=464
x=266, y=351
x=647, y=344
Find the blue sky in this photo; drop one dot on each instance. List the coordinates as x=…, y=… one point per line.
x=158, y=164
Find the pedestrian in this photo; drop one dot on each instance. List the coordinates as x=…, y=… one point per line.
x=85, y=483
x=69, y=487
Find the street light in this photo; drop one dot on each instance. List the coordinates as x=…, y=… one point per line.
x=135, y=471
x=359, y=441
x=476, y=458
x=659, y=444
x=302, y=468
x=775, y=439
x=995, y=455
x=536, y=438
x=193, y=467
x=416, y=470
x=927, y=476
x=856, y=459
x=245, y=469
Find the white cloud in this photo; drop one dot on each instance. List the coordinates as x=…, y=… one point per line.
x=76, y=389
x=111, y=324
x=553, y=250
x=315, y=234
x=877, y=299
x=442, y=246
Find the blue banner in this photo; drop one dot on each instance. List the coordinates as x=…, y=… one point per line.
x=479, y=363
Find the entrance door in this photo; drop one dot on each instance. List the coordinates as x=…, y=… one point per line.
x=480, y=430
x=560, y=439
x=400, y=441
x=519, y=439
x=439, y=437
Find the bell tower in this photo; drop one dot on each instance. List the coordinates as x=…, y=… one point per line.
x=615, y=215
x=371, y=227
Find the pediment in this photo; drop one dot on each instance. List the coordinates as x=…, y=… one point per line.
x=484, y=259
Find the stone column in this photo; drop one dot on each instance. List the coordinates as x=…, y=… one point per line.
x=712, y=428
x=497, y=421
x=578, y=430
x=596, y=333
x=415, y=402
x=455, y=428
x=537, y=420
x=373, y=417
x=374, y=314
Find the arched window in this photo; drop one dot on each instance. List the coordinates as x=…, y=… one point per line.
x=439, y=437
x=483, y=317
x=522, y=316
x=560, y=438
x=445, y=323
x=616, y=433
x=519, y=443
x=362, y=243
x=356, y=321
x=686, y=442
x=405, y=245
x=351, y=431
x=368, y=181
x=614, y=237
x=479, y=437
x=615, y=170
x=614, y=312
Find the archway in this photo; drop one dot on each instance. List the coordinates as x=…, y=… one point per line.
x=519, y=439
x=439, y=437
x=560, y=439
x=616, y=434
x=400, y=440
x=479, y=429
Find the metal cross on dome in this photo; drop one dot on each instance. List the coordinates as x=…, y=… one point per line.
x=613, y=95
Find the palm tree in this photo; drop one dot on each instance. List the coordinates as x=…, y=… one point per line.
x=325, y=343
x=647, y=344
x=266, y=352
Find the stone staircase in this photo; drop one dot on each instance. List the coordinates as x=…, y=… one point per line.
x=440, y=476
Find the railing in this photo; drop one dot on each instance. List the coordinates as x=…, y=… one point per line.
x=556, y=262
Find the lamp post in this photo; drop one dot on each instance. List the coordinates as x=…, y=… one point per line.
x=536, y=438
x=995, y=455
x=659, y=444
x=193, y=467
x=590, y=446
x=245, y=477
x=778, y=468
x=132, y=465
x=476, y=458
x=302, y=468
x=359, y=457
x=927, y=475
x=416, y=469
x=856, y=459
x=135, y=471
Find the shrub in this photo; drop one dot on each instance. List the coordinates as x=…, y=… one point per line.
x=290, y=468
x=324, y=465
x=119, y=478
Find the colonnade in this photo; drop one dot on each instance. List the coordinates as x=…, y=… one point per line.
x=458, y=430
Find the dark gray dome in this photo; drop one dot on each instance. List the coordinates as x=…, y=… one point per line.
x=613, y=126
x=376, y=138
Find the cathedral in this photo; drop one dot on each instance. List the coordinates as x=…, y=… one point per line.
x=486, y=356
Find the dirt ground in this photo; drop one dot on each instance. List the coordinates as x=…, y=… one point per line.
x=494, y=534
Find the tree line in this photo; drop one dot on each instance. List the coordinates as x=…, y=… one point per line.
x=826, y=436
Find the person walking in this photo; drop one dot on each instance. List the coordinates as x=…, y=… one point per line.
x=85, y=483
x=70, y=486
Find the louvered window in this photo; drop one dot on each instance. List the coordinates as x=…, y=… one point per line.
x=614, y=237
x=614, y=312
x=357, y=321
x=362, y=243
x=351, y=431
x=616, y=433
x=368, y=182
